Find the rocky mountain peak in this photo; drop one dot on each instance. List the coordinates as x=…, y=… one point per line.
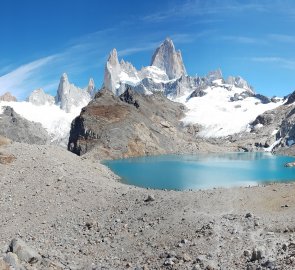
x=112, y=71
x=64, y=77
x=240, y=83
x=91, y=87
x=39, y=97
x=8, y=97
x=214, y=75
x=113, y=58
x=69, y=96
x=168, y=59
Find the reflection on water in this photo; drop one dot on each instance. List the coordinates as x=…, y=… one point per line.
x=203, y=171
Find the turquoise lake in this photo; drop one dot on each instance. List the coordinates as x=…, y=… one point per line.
x=183, y=172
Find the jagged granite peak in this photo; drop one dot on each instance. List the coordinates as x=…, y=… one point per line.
x=91, y=87
x=112, y=71
x=39, y=97
x=214, y=75
x=8, y=97
x=169, y=60
x=70, y=97
x=240, y=83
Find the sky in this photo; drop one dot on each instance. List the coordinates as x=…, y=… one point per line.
x=40, y=40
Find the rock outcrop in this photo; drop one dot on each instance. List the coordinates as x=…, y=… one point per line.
x=132, y=124
x=39, y=97
x=69, y=97
x=18, y=129
x=8, y=97
x=169, y=60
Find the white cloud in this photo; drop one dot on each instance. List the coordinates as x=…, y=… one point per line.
x=278, y=61
x=21, y=76
x=282, y=38
x=204, y=8
x=242, y=39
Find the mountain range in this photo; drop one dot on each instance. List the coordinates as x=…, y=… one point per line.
x=212, y=106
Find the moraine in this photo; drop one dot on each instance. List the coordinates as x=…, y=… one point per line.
x=183, y=172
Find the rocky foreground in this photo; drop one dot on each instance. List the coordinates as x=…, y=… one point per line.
x=70, y=212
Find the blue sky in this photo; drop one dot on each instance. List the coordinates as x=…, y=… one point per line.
x=42, y=39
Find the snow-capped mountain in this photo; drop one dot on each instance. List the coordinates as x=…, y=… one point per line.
x=54, y=113
x=221, y=106
x=218, y=106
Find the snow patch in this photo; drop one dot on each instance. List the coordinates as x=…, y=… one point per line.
x=269, y=149
x=125, y=78
x=275, y=132
x=219, y=116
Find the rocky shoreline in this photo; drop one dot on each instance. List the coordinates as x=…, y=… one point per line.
x=75, y=214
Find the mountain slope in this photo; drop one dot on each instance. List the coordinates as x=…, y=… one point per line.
x=19, y=129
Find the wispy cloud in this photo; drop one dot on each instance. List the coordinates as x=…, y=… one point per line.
x=133, y=50
x=204, y=8
x=243, y=39
x=282, y=38
x=22, y=75
x=278, y=61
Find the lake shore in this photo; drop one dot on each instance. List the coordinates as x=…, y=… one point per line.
x=75, y=212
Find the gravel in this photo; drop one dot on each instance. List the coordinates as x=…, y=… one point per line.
x=76, y=214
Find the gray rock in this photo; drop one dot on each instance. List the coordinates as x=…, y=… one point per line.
x=4, y=265
x=12, y=260
x=258, y=253
x=169, y=261
x=150, y=198
x=196, y=267
x=248, y=215
x=24, y=252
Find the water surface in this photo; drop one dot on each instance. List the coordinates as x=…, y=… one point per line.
x=182, y=172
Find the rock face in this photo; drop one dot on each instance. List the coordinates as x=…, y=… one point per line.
x=16, y=128
x=132, y=124
x=8, y=97
x=39, y=97
x=291, y=99
x=169, y=60
x=69, y=97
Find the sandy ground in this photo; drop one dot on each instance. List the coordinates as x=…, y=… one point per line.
x=77, y=215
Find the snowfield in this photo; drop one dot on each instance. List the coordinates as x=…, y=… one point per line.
x=221, y=117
